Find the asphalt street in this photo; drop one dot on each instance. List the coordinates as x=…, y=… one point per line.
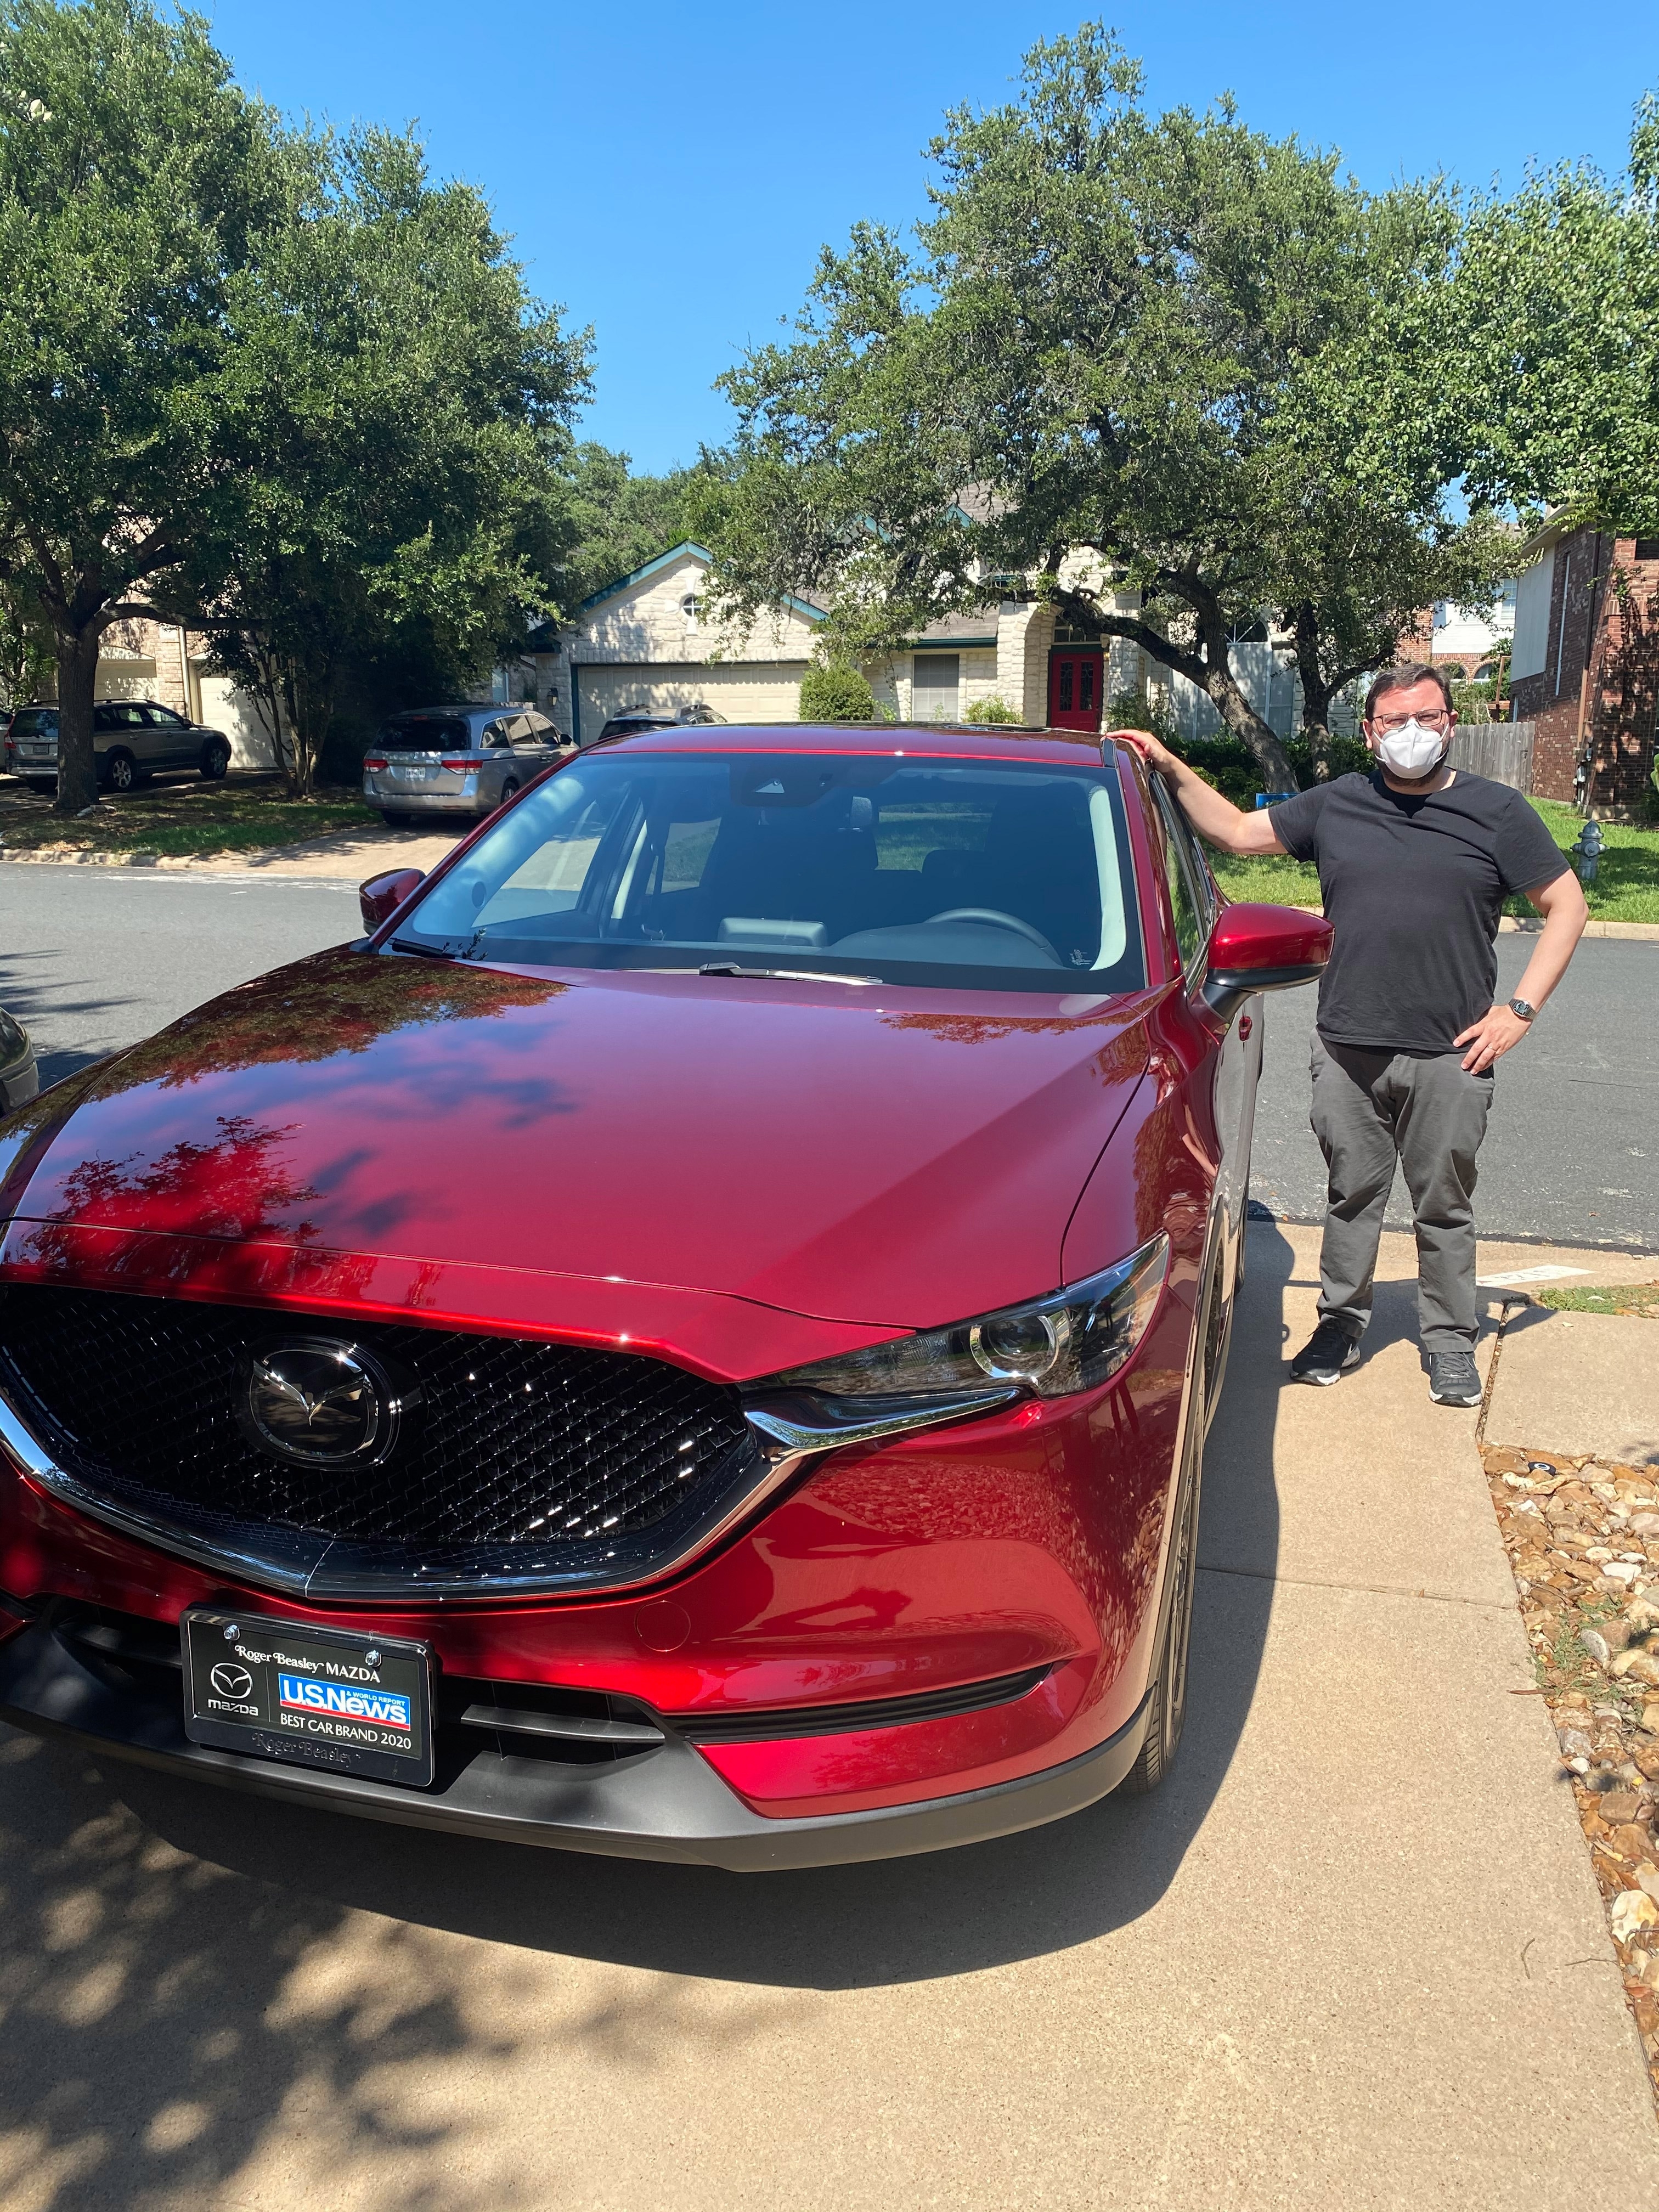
x=92, y=959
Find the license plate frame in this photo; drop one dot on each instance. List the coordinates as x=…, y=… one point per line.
x=308, y=1696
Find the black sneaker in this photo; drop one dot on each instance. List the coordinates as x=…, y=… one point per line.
x=1454, y=1379
x=1331, y=1348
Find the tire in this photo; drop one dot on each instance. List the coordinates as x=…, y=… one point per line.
x=1168, y=1693
x=393, y=819
x=120, y=771
x=508, y=788
x=215, y=760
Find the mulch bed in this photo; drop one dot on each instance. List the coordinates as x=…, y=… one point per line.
x=1583, y=1537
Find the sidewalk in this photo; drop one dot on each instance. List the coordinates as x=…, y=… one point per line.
x=1352, y=1955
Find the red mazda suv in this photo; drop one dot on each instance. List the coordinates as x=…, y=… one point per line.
x=692, y=1339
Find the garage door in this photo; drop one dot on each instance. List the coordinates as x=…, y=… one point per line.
x=743, y=691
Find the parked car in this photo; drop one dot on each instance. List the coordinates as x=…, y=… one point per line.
x=132, y=739
x=635, y=720
x=19, y=1079
x=693, y=1338
x=456, y=760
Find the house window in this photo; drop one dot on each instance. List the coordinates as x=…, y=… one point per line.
x=691, y=608
x=935, y=687
x=1647, y=549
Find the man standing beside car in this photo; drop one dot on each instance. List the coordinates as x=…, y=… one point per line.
x=1415, y=862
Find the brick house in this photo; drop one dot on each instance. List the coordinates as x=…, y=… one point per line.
x=1585, y=671
x=145, y=660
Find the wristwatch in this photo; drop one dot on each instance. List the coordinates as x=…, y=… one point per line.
x=1525, y=1013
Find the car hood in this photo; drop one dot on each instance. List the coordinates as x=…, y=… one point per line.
x=889, y=1159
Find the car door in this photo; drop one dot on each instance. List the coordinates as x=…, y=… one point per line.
x=118, y=726
x=1237, y=1065
x=537, y=746
x=174, y=741
x=494, y=742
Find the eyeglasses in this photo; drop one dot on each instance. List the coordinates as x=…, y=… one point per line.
x=1386, y=725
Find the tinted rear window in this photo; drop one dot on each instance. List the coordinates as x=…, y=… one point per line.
x=34, y=722
x=976, y=874
x=428, y=733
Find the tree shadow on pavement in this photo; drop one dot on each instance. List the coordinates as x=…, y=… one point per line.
x=168, y=2025
x=836, y=1928
x=41, y=1006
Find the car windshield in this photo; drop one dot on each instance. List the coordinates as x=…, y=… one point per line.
x=428, y=733
x=34, y=722
x=979, y=875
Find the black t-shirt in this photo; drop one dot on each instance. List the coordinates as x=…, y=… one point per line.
x=1414, y=887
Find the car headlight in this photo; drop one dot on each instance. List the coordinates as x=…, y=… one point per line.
x=1073, y=1339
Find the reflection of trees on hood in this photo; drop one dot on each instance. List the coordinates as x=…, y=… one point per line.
x=233, y=1185
x=1122, y=1051
x=336, y=1002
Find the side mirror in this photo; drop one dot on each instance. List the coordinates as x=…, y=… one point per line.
x=1262, y=948
x=381, y=895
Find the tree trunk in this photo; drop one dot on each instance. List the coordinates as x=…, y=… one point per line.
x=77, y=677
x=1242, y=718
x=1315, y=693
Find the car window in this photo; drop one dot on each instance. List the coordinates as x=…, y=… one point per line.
x=973, y=874
x=160, y=718
x=1191, y=929
x=427, y=733
x=34, y=722
x=116, y=714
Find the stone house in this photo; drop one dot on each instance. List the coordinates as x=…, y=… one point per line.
x=645, y=641
x=1585, y=678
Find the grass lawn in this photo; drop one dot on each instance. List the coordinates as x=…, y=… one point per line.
x=186, y=820
x=1626, y=888
x=1641, y=1298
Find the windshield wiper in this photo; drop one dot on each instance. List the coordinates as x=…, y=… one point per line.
x=426, y=951
x=783, y=975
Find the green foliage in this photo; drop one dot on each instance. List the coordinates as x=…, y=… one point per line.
x=1558, y=291
x=1133, y=710
x=134, y=179
x=394, y=406
x=836, y=691
x=1473, y=702
x=616, y=522
x=1188, y=346
x=993, y=709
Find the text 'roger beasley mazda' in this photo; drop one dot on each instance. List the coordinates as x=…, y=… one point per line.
x=693, y=1338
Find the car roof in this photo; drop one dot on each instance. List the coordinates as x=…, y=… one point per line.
x=988, y=741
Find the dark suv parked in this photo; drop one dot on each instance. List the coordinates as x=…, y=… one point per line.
x=131, y=739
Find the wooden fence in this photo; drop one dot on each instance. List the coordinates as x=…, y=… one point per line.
x=1501, y=751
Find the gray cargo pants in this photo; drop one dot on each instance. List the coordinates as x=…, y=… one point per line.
x=1367, y=1107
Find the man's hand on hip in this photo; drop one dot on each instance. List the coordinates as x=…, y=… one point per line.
x=1495, y=1033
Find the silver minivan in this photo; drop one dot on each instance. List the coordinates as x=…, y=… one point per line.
x=456, y=760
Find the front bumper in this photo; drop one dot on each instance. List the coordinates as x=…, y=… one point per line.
x=666, y=1804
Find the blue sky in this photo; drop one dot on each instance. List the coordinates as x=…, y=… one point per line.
x=670, y=173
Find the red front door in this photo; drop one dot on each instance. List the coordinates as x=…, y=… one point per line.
x=1076, y=676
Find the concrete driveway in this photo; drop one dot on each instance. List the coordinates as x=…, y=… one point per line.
x=1352, y=1955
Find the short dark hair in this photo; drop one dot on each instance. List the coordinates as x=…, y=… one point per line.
x=1402, y=679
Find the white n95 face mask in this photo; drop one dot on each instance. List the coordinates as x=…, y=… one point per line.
x=1413, y=751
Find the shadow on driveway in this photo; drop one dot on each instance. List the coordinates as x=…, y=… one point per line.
x=156, y=1932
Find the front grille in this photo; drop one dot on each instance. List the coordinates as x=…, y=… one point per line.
x=517, y=1446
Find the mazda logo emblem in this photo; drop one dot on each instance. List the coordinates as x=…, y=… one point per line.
x=320, y=1401
x=232, y=1681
